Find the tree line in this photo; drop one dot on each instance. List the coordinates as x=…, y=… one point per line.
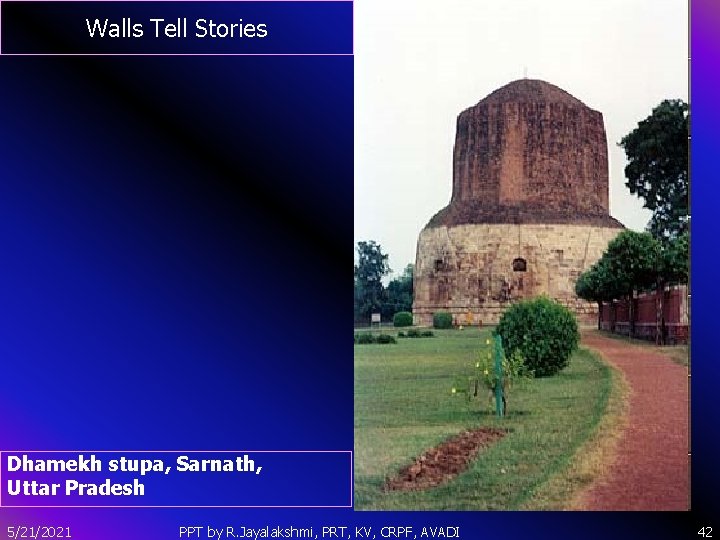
x=657, y=172
x=635, y=262
x=371, y=295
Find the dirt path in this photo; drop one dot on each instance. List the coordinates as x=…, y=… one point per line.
x=650, y=471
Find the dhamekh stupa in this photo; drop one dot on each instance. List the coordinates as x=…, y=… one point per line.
x=529, y=207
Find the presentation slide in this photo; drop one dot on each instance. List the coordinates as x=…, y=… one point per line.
x=528, y=191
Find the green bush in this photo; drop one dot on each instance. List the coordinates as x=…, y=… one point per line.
x=442, y=319
x=544, y=332
x=364, y=338
x=414, y=333
x=402, y=318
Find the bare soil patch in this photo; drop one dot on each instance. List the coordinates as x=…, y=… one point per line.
x=444, y=462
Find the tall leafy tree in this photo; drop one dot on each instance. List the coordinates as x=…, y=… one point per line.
x=372, y=265
x=597, y=284
x=675, y=260
x=632, y=260
x=673, y=268
x=657, y=169
x=399, y=293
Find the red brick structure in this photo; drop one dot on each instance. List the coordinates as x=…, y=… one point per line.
x=673, y=322
x=529, y=206
x=529, y=153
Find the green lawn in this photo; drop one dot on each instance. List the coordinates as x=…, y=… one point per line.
x=403, y=405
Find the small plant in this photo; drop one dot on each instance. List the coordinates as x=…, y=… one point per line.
x=512, y=368
x=414, y=333
x=544, y=332
x=402, y=318
x=442, y=320
x=401, y=335
x=484, y=373
x=427, y=333
x=384, y=339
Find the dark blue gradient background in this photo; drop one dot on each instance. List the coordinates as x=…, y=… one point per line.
x=175, y=250
x=175, y=237
x=172, y=237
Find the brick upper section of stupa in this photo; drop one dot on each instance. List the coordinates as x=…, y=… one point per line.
x=529, y=153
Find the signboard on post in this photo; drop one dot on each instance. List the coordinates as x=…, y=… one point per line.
x=375, y=319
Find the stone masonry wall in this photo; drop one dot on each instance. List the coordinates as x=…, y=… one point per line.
x=468, y=269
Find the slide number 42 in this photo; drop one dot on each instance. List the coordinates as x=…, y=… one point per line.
x=706, y=532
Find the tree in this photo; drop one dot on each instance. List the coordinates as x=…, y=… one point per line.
x=676, y=258
x=372, y=266
x=657, y=169
x=399, y=293
x=632, y=260
x=636, y=261
x=597, y=285
x=673, y=268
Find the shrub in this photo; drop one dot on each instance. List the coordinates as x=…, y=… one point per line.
x=385, y=338
x=415, y=333
x=442, y=319
x=402, y=318
x=364, y=338
x=544, y=332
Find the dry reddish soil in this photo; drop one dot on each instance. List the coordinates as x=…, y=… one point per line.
x=444, y=462
x=651, y=467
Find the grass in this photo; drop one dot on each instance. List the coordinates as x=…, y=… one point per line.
x=680, y=354
x=567, y=489
x=403, y=406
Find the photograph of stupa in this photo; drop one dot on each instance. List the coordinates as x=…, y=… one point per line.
x=529, y=208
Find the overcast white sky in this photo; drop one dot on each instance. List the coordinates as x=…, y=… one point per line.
x=419, y=63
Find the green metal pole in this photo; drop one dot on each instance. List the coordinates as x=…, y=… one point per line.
x=498, y=376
